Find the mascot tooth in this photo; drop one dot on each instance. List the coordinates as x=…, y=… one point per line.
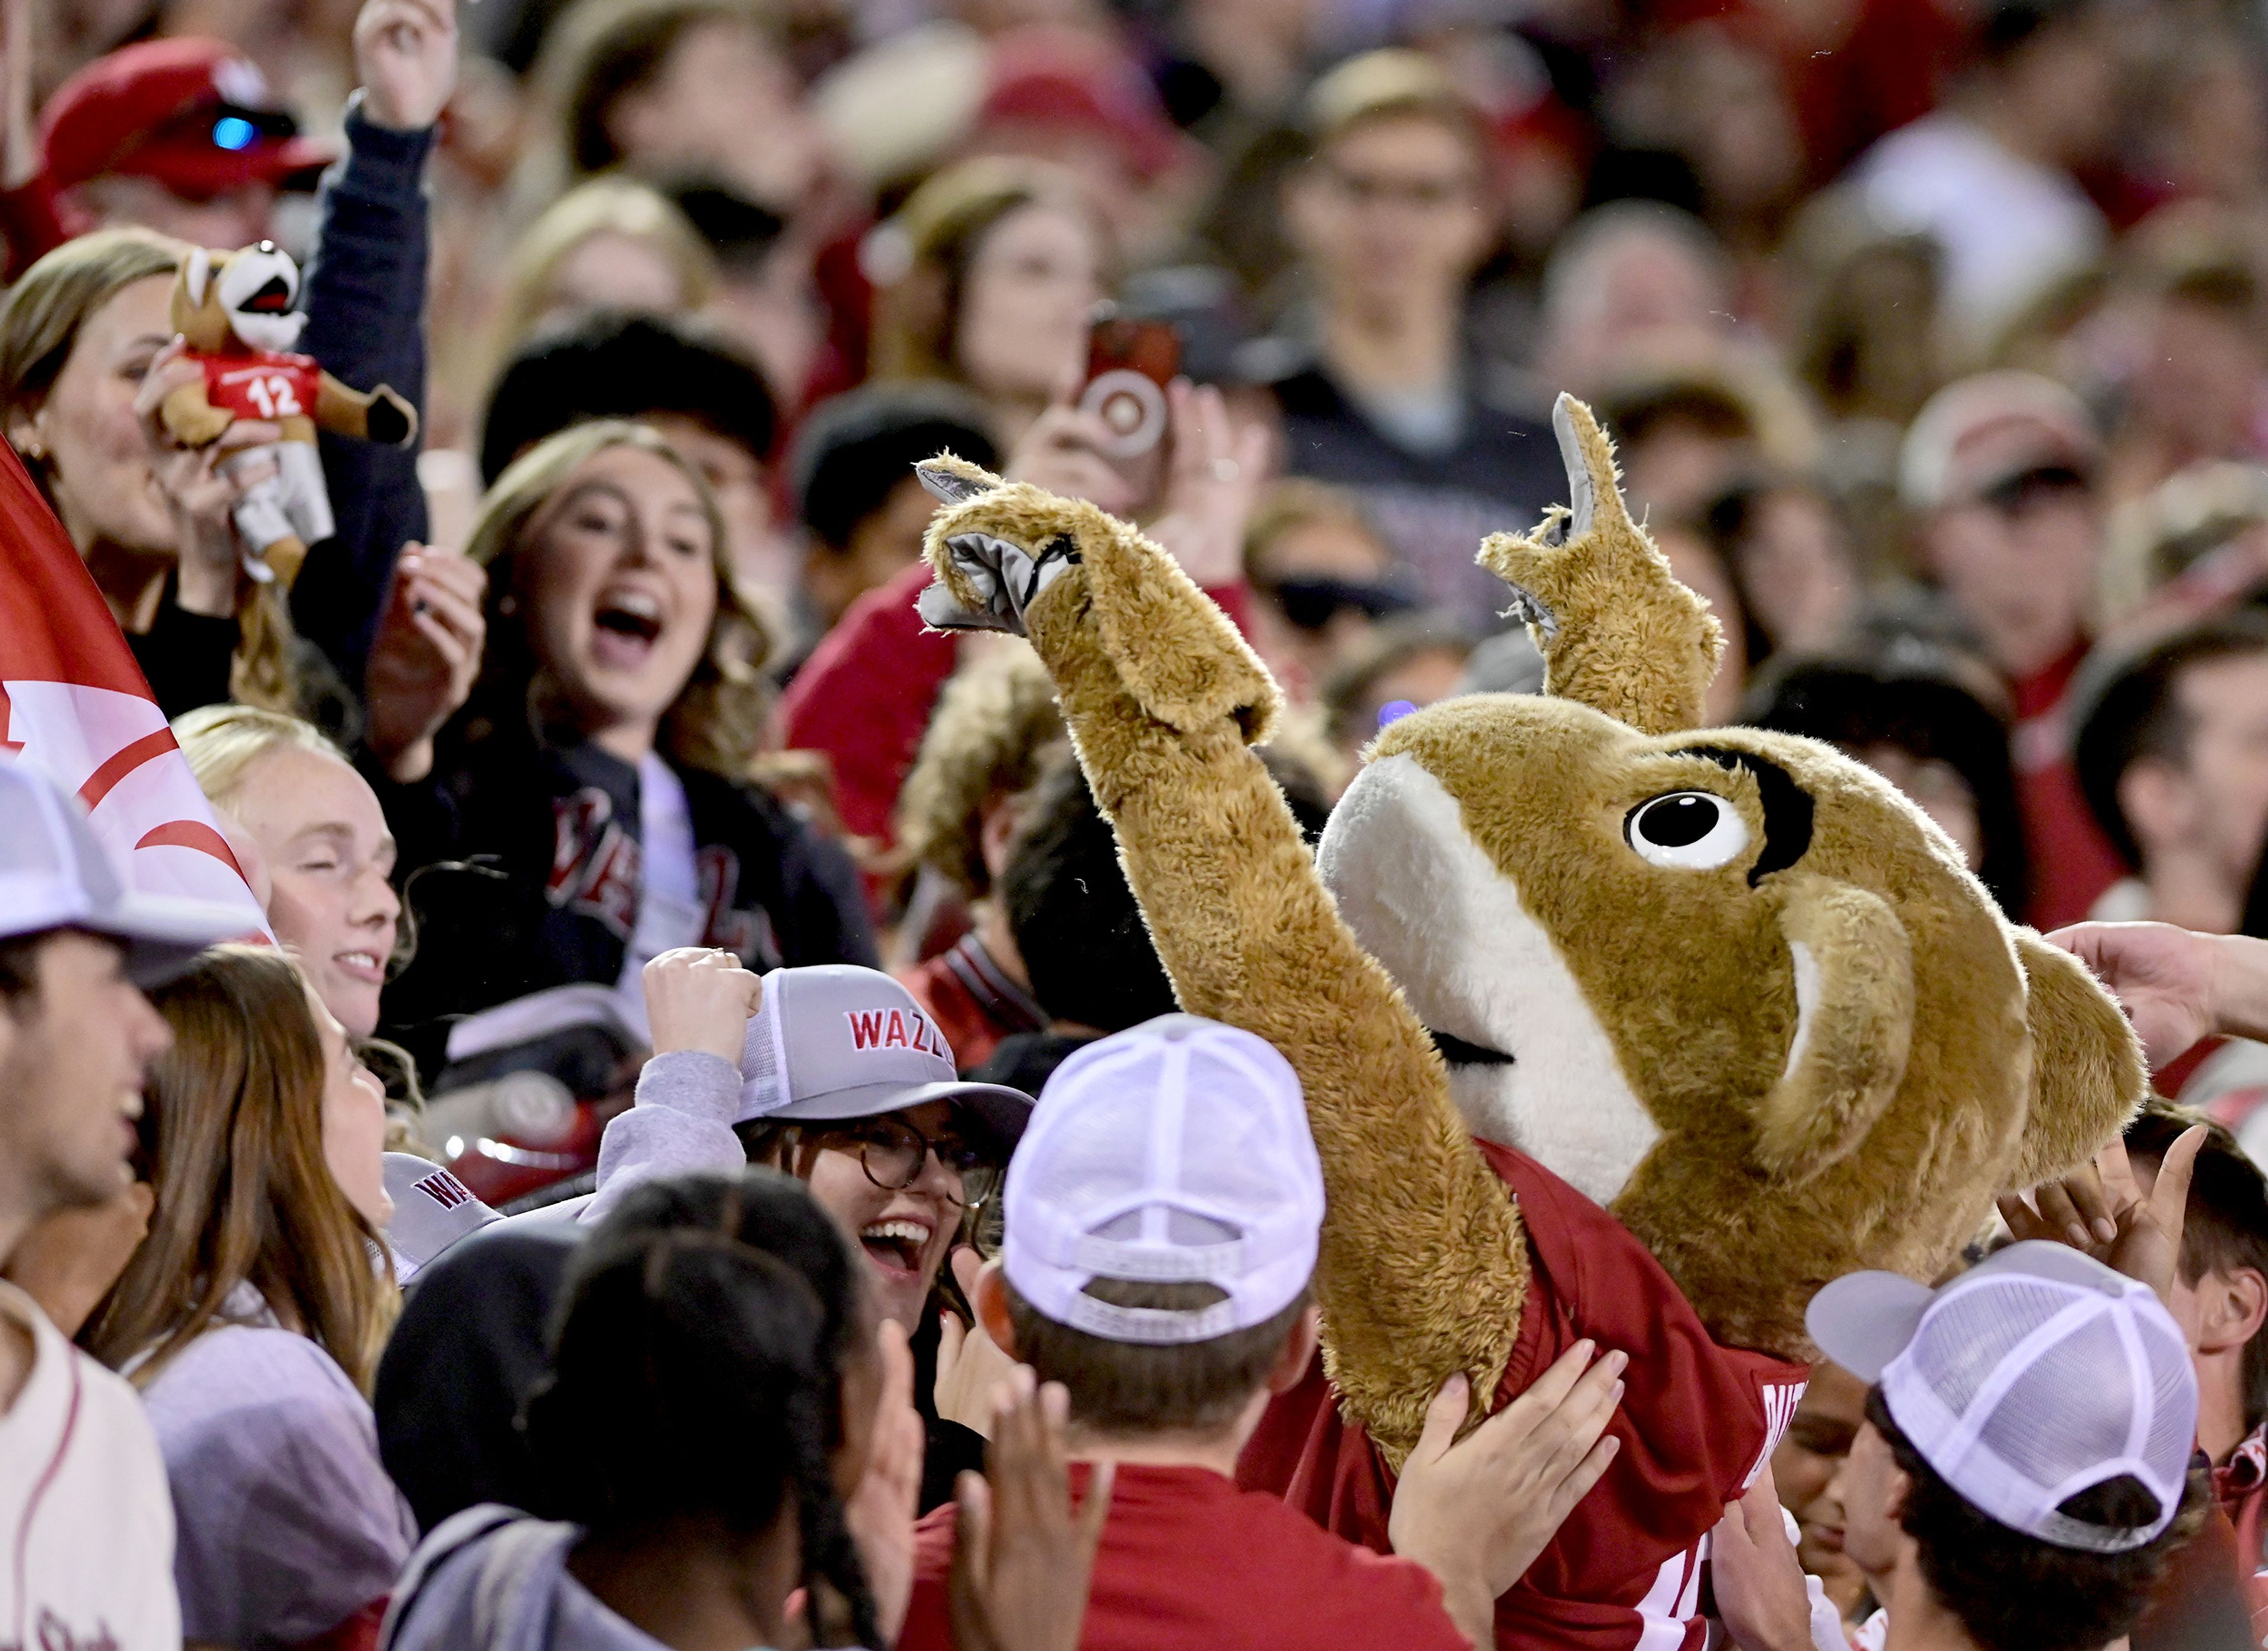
x=1609, y=1027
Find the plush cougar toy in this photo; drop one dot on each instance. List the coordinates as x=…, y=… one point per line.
x=234, y=310
x=1609, y=1028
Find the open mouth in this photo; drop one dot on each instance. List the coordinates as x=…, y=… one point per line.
x=895, y=1245
x=361, y=965
x=626, y=625
x=1458, y=1053
x=273, y=298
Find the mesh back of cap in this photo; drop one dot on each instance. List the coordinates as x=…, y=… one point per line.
x=1176, y=1152
x=2024, y=1392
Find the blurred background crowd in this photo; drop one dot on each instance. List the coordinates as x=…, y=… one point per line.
x=1933, y=335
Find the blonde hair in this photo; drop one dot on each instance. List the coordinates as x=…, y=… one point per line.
x=602, y=206
x=1393, y=82
x=926, y=250
x=718, y=720
x=993, y=726
x=244, y=1194
x=40, y=325
x=222, y=742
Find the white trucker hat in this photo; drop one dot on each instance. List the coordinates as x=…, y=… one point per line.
x=2036, y=1375
x=55, y=873
x=1176, y=1152
x=833, y=1040
x=432, y=1209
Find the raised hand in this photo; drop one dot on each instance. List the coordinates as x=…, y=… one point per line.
x=1023, y=1557
x=2163, y=977
x=1210, y=484
x=406, y=56
x=881, y=1512
x=1477, y=1512
x=697, y=997
x=970, y=1366
x=424, y=656
x=1762, y=1597
x=2101, y=1210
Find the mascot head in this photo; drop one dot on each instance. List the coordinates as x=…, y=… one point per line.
x=224, y=302
x=1730, y=983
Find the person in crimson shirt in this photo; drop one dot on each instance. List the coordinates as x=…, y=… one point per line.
x=1999, y=471
x=1696, y=1422
x=864, y=696
x=2220, y=1298
x=1122, y=1176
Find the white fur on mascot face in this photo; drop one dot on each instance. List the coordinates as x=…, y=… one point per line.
x=257, y=289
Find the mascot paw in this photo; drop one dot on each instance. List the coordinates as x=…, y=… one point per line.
x=391, y=420
x=990, y=583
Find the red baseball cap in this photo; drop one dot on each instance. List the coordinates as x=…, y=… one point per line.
x=195, y=115
x=1045, y=78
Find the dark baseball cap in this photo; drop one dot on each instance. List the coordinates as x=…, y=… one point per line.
x=196, y=115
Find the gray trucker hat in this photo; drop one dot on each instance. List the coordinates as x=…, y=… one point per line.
x=837, y=1041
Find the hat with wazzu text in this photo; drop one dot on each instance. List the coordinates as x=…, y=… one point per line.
x=834, y=1041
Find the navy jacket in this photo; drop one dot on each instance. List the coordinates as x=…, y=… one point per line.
x=364, y=295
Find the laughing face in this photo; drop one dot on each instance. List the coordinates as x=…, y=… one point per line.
x=904, y=1235
x=618, y=576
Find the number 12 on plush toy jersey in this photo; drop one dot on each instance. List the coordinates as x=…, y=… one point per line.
x=235, y=311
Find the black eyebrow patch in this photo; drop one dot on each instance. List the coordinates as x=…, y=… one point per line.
x=1788, y=806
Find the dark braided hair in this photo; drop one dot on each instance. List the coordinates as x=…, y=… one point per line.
x=696, y=1374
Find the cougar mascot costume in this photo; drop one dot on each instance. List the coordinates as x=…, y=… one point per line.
x=1609, y=1028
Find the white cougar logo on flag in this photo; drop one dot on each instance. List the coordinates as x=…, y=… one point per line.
x=74, y=703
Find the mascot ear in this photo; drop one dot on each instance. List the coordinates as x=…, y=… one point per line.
x=2087, y=1072
x=195, y=274
x=951, y=480
x=1854, y=998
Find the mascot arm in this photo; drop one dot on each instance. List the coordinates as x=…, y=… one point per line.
x=190, y=418
x=378, y=415
x=1422, y=1269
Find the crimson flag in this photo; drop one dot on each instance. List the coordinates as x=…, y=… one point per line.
x=73, y=702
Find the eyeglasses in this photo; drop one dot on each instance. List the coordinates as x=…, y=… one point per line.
x=892, y=1153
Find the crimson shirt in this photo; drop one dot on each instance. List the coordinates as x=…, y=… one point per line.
x=972, y=1001
x=263, y=384
x=2073, y=860
x=864, y=696
x=1190, y=1563
x=2240, y=1484
x=1697, y=1421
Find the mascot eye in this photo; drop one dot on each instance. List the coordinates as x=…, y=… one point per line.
x=1686, y=831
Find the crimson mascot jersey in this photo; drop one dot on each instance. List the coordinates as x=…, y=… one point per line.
x=262, y=384
x=1697, y=1421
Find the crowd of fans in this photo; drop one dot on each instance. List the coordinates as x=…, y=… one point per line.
x=601, y=782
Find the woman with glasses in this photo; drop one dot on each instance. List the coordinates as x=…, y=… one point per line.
x=835, y=1075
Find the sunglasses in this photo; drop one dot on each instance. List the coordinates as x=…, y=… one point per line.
x=1312, y=603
